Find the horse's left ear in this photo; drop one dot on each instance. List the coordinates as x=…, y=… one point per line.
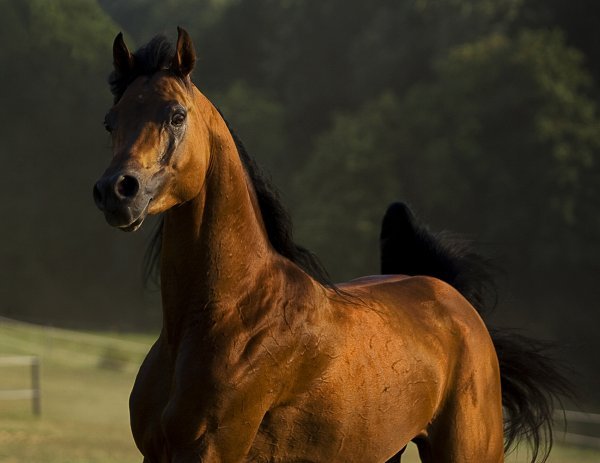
x=122, y=58
x=185, y=56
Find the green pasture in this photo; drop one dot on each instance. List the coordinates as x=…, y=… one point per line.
x=86, y=379
x=85, y=382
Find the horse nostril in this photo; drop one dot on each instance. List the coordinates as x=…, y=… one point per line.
x=127, y=186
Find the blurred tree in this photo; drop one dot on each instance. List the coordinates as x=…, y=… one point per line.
x=317, y=58
x=143, y=19
x=58, y=257
x=258, y=120
x=343, y=191
x=578, y=20
x=399, y=42
x=497, y=143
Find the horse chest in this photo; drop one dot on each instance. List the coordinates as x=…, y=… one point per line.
x=324, y=420
x=164, y=413
x=148, y=399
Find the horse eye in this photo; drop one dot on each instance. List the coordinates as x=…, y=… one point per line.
x=178, y=118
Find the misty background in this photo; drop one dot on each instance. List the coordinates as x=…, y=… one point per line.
x=480, y=114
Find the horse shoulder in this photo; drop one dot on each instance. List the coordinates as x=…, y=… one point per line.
x=442, y=302
x=465, y=344
x=423, y=321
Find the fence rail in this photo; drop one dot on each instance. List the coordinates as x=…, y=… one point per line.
x=34, y=393
x=570, y=418
x=18, y=394
x=17, y=360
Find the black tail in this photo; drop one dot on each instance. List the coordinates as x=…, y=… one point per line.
x=531, y=382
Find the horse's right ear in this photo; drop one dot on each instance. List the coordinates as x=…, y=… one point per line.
x=122, y=58
x=185, y=56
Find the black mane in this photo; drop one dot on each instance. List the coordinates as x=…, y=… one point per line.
x=277, y=220
x=157, y=55
x=408, y=247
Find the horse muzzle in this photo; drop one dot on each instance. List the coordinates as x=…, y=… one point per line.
x=121, y=199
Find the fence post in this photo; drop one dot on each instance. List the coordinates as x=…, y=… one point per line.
x=35, y=387
x=35, y=393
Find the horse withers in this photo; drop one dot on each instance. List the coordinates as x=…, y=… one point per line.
x=260, y=357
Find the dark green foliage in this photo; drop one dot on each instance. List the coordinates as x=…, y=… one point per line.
x=497, y=143
x=59, y=261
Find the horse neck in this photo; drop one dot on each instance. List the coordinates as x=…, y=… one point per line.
x=215, y=245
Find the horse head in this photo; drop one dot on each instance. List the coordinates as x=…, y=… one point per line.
x=159, y=134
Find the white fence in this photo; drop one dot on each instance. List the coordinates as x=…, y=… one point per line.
x=34, y=393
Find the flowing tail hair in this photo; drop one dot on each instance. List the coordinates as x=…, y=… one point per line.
x=530, y=380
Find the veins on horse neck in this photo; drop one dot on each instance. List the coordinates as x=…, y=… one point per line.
x=215, y=245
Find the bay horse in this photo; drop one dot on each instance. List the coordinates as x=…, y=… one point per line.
x=261, y=358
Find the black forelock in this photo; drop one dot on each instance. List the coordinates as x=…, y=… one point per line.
x=155, y=56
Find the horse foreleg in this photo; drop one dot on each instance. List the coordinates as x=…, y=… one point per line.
x=470, y=428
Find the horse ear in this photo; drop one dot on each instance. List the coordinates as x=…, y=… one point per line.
x=185, y=56
x=122, y=58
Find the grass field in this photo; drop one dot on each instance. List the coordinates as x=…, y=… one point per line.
x=86, y=381
x=85, y=387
